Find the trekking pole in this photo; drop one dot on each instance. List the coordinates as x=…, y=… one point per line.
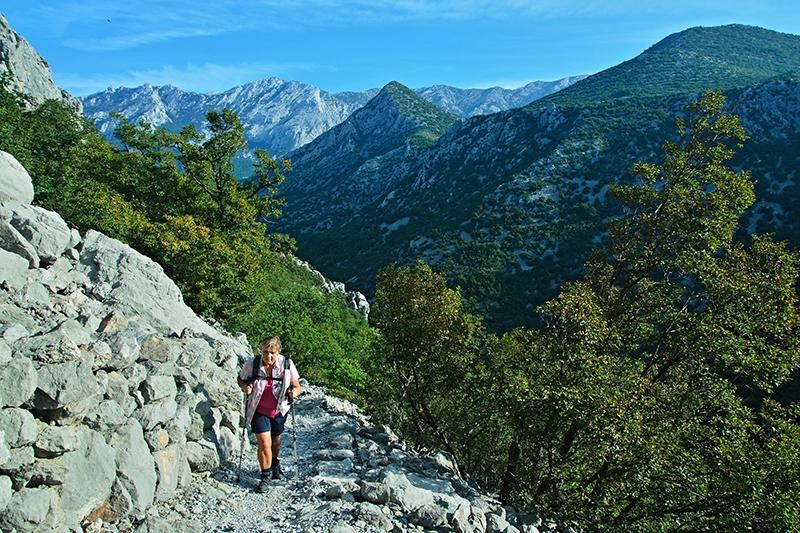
x=244, y=438
x=294, y=443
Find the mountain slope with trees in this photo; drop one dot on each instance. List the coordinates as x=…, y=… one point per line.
x=635, y=408
x=334, y=172
x=509, y=204
x=692, y=61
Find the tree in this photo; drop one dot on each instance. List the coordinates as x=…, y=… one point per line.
x=635, y=409
x=200, y=169
x=424, y=382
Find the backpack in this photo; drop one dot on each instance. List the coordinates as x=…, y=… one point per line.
x=283, y=401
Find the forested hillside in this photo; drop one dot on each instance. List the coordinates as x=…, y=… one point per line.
x=508, y=205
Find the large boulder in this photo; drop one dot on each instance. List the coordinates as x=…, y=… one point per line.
x=138, y=283
x=33, y=509
x=13, y=268
x=171, y=465
x=136, y=469
x=15, y=182
x=45, y=230
x=19, y=381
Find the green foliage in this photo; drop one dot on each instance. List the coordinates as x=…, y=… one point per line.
x=694, y=60
x=640, y=405
x=631, y=409
x=331, y=342
x=173, y=197
x=428, y=370
x=201, y=171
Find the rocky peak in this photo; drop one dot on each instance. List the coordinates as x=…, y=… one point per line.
x=394, y=118
x=395, y=123
x=278, y=115
x=28, y=72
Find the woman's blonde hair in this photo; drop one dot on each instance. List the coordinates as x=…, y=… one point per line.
x=269, y=342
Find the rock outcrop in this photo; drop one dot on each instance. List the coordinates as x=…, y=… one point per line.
x=112, y=389
x=355, y=300
x=28, y=72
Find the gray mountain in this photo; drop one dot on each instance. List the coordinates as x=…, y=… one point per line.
x=280, y=116
x=508, y=204
x=470, y=102
x=28, y=72
x=339, y=162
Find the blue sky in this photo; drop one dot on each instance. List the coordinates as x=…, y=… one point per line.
x=354, y=45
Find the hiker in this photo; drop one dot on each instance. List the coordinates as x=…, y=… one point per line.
x=264, y=414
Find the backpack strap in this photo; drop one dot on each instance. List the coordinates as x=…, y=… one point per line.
x=256, y=368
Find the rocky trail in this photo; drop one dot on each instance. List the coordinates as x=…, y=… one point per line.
x=348, y=477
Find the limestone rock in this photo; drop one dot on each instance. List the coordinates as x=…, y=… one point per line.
x=64, y=384
x=202, y=456
x=19, y=381
x=30, y=73
x=15, y=182
x=19, y=425
x=136, y=469
x=91, y=473
x=30, y=509
x=45, y=230
x=13, y=241
x=5, y=492
x=169, y=466
x=138, y=283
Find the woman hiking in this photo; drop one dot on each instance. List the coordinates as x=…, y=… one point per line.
x=266, y=417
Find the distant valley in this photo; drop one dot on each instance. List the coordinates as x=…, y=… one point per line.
x=508, y=204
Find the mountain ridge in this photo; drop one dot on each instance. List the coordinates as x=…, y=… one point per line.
x=508, y=204
x=279, y=115
x=693, y=60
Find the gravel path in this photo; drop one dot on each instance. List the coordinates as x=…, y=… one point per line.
x=216, y=502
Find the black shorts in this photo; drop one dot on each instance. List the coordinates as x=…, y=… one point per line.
x=264, y=424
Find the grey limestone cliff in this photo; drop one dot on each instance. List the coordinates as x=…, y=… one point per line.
x=278, y=115
x=28, y=72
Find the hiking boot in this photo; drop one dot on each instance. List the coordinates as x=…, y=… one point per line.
x=263, y=485
x=277, y=473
